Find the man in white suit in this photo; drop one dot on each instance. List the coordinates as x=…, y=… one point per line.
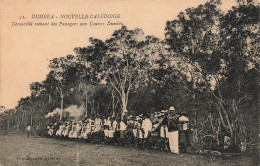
x=172, y=124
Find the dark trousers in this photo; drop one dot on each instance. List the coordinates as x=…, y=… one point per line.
x=186, y=133
x=28, y=133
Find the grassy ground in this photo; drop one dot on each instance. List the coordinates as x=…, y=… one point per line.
x=20, y=150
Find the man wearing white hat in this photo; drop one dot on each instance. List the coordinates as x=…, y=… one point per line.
x=173, y=133
x=164, y=129
x=184, y=120
x=146, y=129
x=147, y=125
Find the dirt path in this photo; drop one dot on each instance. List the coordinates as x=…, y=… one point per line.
x=20, y=150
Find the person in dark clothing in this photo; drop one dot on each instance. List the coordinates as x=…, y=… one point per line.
x=184, y=121
x=172, y=124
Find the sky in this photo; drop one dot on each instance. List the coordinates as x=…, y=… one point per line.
x=25, y=51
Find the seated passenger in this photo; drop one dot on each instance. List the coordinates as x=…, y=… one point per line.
x=98, y=124
x=72, y=131
x=59, y=131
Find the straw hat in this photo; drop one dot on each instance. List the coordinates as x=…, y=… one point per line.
x=137, y=118
x=164, y=111
x=171, y=108
x=183, y=119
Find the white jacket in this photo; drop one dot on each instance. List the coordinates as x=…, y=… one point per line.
x=147, y=125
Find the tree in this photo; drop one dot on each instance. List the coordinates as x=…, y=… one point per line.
x=239, y=34
x=89, y=60
x=50, y=84
x=192, y=40
x=129, y=56
x=64, y=72
x=24, y=104
x=221, y=49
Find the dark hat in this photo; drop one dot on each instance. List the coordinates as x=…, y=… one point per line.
x=184, y=113
x=146, y=115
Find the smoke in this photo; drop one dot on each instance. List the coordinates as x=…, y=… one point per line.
x=54, y=112
x=73, y=110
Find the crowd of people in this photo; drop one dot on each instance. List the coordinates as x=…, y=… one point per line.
x=162, y=131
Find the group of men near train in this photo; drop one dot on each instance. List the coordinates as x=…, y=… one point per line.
x=167, y=124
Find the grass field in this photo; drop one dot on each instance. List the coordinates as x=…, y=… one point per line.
x=20, y=150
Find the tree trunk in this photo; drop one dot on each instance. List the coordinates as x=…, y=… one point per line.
x=39, y=125
x=8, y=124
x=23, y=116
x=31, y=119
x=98, y=108
x=86, y=105
x=94, y=111
x=193, y=86
x=61, y=106
x=113, y=104
x=217, y=132
x=31, y=116
x=18, y=126
x=19, y=121
x=124, y=104
x=25, y=119
x=49, y=110
x=12, y=119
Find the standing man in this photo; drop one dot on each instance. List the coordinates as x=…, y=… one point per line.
x=28, y=130
x=115, y=128
x=184, y=121
x=163, y=123
x=146, y=128
x=172, y=124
